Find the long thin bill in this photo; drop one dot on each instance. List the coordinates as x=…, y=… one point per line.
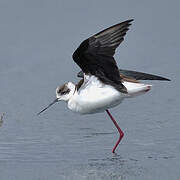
x=56, y=100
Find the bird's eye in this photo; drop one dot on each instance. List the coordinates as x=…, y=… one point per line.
x=65, y=92
x=59, y=91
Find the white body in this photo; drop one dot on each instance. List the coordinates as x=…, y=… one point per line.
x=94, y=96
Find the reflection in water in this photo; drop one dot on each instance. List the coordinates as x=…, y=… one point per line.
x=113, y=167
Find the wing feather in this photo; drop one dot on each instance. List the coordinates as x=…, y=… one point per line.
x=95, y=54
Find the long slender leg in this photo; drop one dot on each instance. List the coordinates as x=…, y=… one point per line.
x=121, y=134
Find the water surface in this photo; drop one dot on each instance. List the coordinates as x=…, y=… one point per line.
x=37, y=40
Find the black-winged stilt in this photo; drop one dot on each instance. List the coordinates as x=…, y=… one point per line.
x=103, y=85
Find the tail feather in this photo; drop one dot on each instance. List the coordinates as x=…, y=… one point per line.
x=135, y=89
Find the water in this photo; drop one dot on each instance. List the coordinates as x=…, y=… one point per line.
x=37, y=40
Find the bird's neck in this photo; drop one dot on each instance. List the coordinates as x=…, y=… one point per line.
x=73, y=102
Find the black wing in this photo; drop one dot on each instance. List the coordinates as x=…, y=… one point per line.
x=95, y=55
x=141, y=76
x=135, y=75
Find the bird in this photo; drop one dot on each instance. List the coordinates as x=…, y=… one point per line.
x=102, y=85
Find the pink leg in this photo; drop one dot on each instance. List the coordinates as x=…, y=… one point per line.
x=121, y=134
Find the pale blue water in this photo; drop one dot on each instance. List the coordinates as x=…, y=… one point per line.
x=36, y=42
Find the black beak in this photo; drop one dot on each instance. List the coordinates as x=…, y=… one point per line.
x=56, y=100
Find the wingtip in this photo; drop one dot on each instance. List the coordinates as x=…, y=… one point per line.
x=167, y=79
x=129, y=20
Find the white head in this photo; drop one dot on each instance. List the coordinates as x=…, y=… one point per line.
x=63, y=93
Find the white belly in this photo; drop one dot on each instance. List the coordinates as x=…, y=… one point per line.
x=93, y=100
x=96, y=97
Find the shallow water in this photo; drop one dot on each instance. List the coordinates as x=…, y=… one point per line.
x=37, y=40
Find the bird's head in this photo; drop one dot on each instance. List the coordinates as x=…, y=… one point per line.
x=63, y=93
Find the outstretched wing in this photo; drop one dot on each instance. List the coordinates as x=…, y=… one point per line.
x=95, y=55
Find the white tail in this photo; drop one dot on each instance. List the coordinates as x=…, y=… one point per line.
x=135, y=89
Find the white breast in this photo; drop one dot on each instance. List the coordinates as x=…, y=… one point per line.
x=94, y=97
